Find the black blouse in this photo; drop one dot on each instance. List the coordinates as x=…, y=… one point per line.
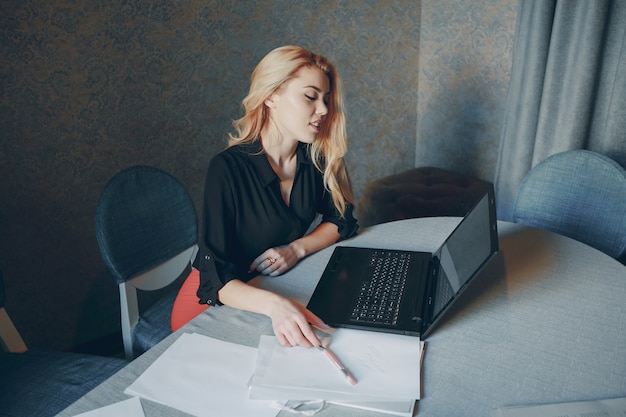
x=245, y=214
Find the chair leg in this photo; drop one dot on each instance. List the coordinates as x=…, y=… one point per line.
x=10, y=338
x=129, y=316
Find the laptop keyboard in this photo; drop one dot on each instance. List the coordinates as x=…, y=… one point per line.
x=379, y=298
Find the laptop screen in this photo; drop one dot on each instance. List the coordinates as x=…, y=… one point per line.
x=465, y=250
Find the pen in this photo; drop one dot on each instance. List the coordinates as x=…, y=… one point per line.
x=335, y=360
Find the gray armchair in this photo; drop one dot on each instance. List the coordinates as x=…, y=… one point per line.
x=580, y=194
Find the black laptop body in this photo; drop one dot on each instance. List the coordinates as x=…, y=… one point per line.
x=355, y=290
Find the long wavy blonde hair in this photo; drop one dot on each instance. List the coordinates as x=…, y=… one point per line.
x=328, y=150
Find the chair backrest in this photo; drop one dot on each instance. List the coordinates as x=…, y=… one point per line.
x=10, y=338
x=146, y=227
x=580, y=194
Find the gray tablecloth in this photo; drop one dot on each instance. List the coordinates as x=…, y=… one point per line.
x=544, y=323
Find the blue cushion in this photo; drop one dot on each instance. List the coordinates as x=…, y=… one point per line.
x=43, y=383
x=154, y=324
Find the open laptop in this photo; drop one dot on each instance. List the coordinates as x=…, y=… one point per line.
x=359, y=285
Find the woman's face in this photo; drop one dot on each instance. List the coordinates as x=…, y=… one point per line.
x=298, y=108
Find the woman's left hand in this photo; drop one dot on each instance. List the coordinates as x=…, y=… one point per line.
x=275, y=261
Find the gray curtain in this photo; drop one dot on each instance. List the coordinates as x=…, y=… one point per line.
x=567, y=90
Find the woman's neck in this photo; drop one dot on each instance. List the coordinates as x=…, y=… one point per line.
x=280, y=152
x=281, y=155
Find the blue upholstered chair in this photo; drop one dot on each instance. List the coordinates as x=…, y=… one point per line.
x=35, y=382
x=580, y=194
x=146, y=227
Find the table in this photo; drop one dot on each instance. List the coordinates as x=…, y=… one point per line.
x=544, y=323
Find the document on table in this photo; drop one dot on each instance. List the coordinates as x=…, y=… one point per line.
x=203, y=376
x=127, y=408
x=614, y=407
x=386, y=366
x=396, y=408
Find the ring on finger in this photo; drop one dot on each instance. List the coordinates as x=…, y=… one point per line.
x=271, y=260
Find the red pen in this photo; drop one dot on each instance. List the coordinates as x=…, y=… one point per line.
x=334, y=359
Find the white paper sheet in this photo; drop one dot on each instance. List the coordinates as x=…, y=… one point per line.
x=386, y=366
x=395, y=408
x=203, y=376
x=127, y=408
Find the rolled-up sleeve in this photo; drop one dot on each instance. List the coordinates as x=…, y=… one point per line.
x=347, y=225
x=210, y=282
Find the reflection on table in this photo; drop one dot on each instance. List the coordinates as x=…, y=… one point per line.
x=544, y=323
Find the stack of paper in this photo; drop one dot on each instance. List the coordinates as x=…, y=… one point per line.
x=203, y=376
x=386, y=366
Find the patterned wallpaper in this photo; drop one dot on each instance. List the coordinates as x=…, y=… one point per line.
x=464, y=70
x=88, y=88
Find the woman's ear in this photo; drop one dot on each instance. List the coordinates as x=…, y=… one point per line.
x=270, y=102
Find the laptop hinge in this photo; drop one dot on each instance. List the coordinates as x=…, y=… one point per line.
x=422, y=312
x=431, y=290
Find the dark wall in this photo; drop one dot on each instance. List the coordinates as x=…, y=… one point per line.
x=88, y=88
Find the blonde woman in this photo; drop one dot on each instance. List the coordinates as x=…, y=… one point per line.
x=282, y=168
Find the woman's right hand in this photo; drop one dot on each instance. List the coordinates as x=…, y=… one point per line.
x=292, y=323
